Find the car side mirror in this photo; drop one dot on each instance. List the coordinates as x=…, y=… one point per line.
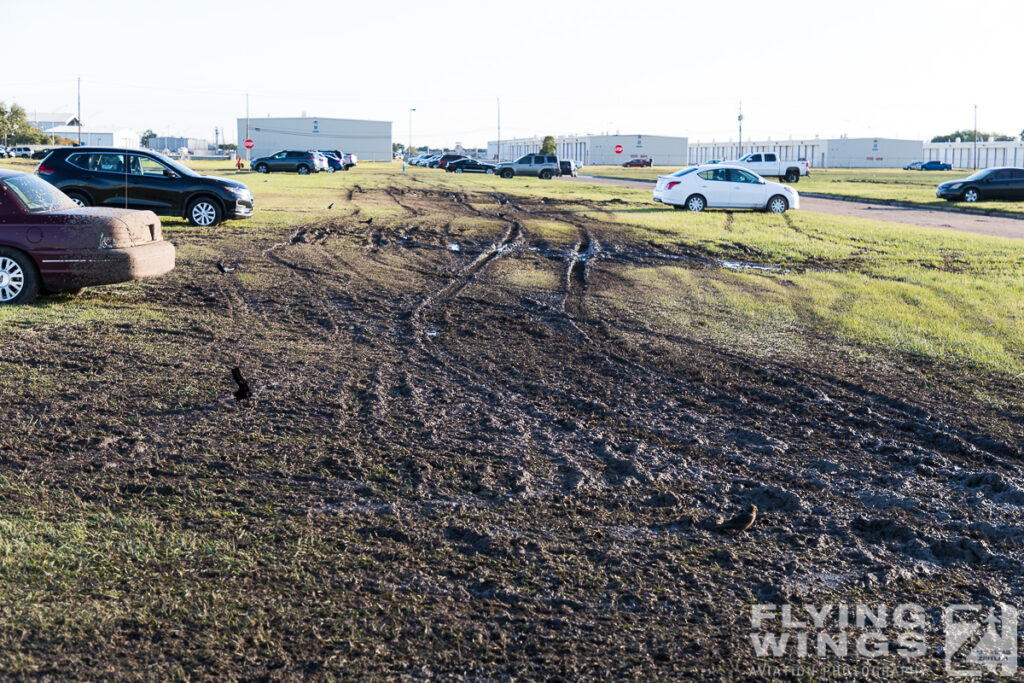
x=170, y=174
x=762, y=181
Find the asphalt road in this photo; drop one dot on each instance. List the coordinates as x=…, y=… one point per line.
x=929, y=218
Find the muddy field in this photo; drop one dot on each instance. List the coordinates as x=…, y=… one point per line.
x=471, y=449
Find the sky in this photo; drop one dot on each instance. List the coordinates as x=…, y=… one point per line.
x=896, y=68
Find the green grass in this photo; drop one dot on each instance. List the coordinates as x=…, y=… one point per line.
x=910, y=187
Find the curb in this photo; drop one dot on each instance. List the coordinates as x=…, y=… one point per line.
x=919, y=207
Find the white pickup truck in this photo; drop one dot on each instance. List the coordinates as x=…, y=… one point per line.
x=768, y=164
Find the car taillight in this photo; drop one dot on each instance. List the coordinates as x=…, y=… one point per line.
x=673, y=184
x=43, y=169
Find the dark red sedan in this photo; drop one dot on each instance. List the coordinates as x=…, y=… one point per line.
x=50, y=244
x=638, y=163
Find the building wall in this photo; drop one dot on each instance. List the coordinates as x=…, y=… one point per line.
x=368, y=140
x=194, y=145
x=599, y=149
x=961, y=154
x=811, y=150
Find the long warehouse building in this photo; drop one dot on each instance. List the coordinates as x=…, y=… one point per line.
x=819, y=152
x=592, y=150
x=368, y=140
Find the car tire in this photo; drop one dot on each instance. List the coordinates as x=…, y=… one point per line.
x=19, y=279
x=545, y=174
x=792, y=176
x=203, y=212
x=261, y=168
x=79, y=198
x=331, y=169
x=302, y=170
x=971, y=195
x=777, y=204
x=458, y=170
x=696, y=202
x=507, y=173
x=490, y=171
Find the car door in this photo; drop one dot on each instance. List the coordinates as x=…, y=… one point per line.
x=714, y=185
x=1016, y=189
x=278, y=162
x=105, y=178
x=153, y=186
x=770, y=166
x=998, y=185
x=746, y=190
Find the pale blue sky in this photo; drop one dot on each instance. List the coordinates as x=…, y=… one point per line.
x=911, y=68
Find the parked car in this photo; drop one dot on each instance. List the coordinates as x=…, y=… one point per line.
x=935, y=166
x=723, y=186
x=347, y=160
x=991, y=183
x=566, y=167
x=433, y=160
x=466, y=165
x=768, y=164
x=913, y=166
x=141, y=179
x=543, y=166
x=294, y=161
x=448, y=158
x=638, y=163
x=49, y=244
x=21, y=152
x=319, y=159
x=41, y=154
x=333, y=163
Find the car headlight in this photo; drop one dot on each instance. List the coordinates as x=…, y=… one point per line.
x=242, y=192
x=955, y=186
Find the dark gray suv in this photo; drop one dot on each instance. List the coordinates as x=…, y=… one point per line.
x=542, y=166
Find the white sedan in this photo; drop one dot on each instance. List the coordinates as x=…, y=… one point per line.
x=719, y=186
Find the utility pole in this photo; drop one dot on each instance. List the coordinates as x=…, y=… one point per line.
x=409, y=148
x=740, y=119
x=79, y=120
x=248, y=156
x=975, y=137
x=499, y=131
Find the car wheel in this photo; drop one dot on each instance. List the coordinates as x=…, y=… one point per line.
x=545, y=174
x=458, y=170
x=490, y=171
x=261, y=168
x=330, y=169
x=203, y=212
x=303, y=170
x=19, y=281
x=79, y=198
x=507, y=173
x=777, y=204
x=792, y=177
x=971, y=195
x=696, y=203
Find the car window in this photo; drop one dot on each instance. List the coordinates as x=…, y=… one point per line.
x=1000, y=175
x=524, y=160
x=756, y=157
x=552, y=158
x=538, y=159
x=741, y=176
x=145, y=166
x=1018, y=174
x=110, y=163
x=770, y=157
x=37, y=195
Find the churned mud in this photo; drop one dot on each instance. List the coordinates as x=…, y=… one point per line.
x=470, y=451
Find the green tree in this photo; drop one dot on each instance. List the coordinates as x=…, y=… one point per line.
x=147, y=136
x=548, y=145
x=968, y=136
x=397, y=148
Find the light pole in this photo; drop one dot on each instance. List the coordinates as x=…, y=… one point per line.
x=740, y=119
x=975, y=137
x=408, y=150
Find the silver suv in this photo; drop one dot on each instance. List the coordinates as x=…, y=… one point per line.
x=543, y=166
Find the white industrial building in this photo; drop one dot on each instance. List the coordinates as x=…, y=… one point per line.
x=598, y=149
x=47, y=120
x=820, y=153
x=368, y=140
x=99, y=137
x=962, y=154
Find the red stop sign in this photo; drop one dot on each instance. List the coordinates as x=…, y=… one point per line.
x=618, y=149
x=249, y=144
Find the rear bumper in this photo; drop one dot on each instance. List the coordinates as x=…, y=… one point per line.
x=93, y=267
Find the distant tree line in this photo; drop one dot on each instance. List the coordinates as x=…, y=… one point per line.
x=15, y=128
x=968, y=136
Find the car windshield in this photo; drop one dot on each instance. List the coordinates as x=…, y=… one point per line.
x=683, y=171
x=37, y=195
x=979, y=175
